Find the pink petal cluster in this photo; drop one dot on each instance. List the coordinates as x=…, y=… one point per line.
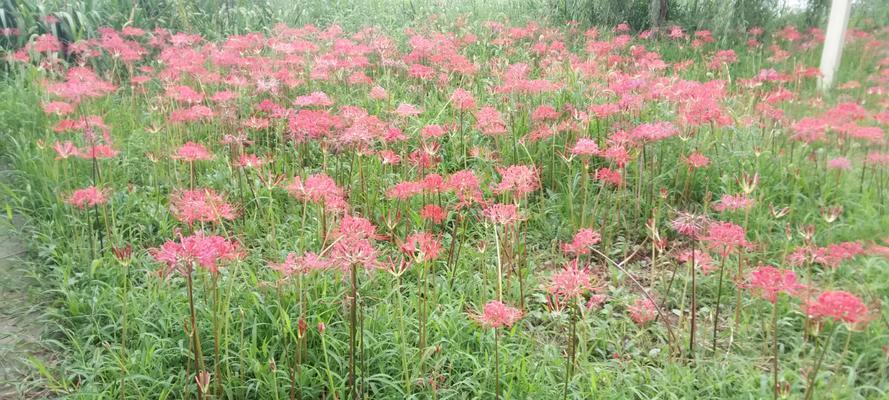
x=768, y=282
x=197, y=249
x=583, y=239
x=495, y=314
x=838, y=305
x=520, y=180
x=642, y=311
x=320, y=189
x=87, y=197
x=201, y=205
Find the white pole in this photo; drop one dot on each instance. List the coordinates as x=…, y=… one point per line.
x=833, y=42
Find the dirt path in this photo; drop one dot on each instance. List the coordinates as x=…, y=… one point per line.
x=19, y=317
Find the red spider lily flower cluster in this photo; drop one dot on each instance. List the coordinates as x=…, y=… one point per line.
x=305, y=263
x=768, y=282
x=725, y=237
x=201, y=205
x=353, y=244
x=838, y=305
x=319, y=189
x=581, y=243
x=206, y=251
x=495, y=315
x=421, y=247
x=642, y=311
x=87, y=197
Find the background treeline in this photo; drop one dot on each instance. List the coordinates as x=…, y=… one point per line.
x=78, y=19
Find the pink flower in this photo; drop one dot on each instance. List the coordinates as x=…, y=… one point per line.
x=466, y=186
x=502, y=214
x=353, y=244
x=689, y=224
x=200, y=249
x=725, y=237
x=583, y=239
x=58, y=108
x=585, y=147
x=200, y=205
x=317, y=99
x=642, y=311
x=249, y=161
x=544, y=113
x=609, y=176
x=697, y=160
x=768, y=282
x=320, y=189
x=839, y=306
x=653, y=132
x=300, y=264
x=434, y=213
x=407, y=110
x=64, y=149
x=87, y=197
x=378, y=93
x=497, y=315
x=192, y=151
x=421, y=247
x=462, y=99
x=839, y=163
x=489, y=122
x=733, y=203
x=521, y=180
x=702, y=260
x=571, y=282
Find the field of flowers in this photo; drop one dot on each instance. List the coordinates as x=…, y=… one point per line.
x=461, y=209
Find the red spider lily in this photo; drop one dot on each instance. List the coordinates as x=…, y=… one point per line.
x=200, y=205
x=839, y=163
x=768, y=282
x=585, y=147
x=315, y=99
x=571, y=282
x=653, y=132
x=520, y=180
x=840, y=306
x=249, y=161
x=80, y=83
x=353, y=244
x=583, y=239
x=466, y=186
x=65, y=149
x=697, y=160
x=831, y=256
x=462, y=100
x=733, y=203
x=192, y=151
x=408, y=110
x=725, y=237
x=489, y=121
x=702, y=260
x=58, y=108
x=421, y=247
x=320, y=189
x=642, y=311
x=87, y=197
x=305, y=263
x=502, y=214
x=433, y=213
x=610, y=176
x=497, y=315
x=200, y=249
x=689, y=224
